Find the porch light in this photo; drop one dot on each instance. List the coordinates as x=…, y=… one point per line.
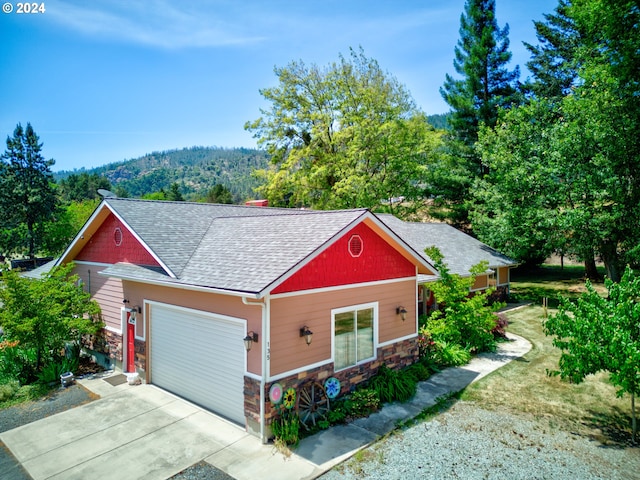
x=402, y=312
x=249, y=339
x=307, y=334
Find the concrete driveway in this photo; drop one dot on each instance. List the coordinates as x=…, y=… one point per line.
x=136, y=432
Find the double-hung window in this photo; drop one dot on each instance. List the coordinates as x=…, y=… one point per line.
x=354, y=334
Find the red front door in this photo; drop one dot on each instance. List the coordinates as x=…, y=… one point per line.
x=131, y=334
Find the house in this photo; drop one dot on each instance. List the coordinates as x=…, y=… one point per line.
x=230, y=306
x=461, y=252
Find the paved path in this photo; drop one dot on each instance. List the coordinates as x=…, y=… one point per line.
x=136, y=432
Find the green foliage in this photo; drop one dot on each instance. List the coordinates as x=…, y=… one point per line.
x=27, y=193
x=83, y=186
x=219, y=194
x=348, y=135
x=16, y=361
x=51, y=372
x=393, y=385
x=286, y=427
x=195, y=169
x=464, y=319
x=563, y=169
x=44, y=315
x=8, y=390
x=421, y=370
x=67, y=222
x=361, y=403
x=601, y=334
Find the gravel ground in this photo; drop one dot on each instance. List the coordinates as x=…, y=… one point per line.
x=467, y=442
x=58, y=401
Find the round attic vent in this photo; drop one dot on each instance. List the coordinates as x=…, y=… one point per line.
x=117, y=236
x=355, y=245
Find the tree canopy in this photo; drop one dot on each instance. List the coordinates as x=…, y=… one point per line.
x=27, y=193
x=601, y=334
x=347, y=135
x=577, y=154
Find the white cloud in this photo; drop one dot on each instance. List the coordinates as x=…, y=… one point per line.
x=155, y=23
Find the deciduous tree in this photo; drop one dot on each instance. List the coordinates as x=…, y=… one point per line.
x=601, y=334
x=44, y=314
x=348, y=135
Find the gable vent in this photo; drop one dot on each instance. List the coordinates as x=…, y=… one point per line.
x=355, y=246
x=117, y=236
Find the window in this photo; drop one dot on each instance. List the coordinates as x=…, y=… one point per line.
x=354, y=333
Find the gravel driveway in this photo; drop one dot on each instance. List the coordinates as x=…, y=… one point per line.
x=468, y=442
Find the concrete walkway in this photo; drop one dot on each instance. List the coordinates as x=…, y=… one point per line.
x=136, y=432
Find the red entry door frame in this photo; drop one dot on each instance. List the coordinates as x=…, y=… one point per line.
x=131, y=335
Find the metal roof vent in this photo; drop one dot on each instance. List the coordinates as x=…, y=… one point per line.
x=117, y=236
x=355, y=245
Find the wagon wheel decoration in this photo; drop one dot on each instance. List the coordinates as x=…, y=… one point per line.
x=313, y=404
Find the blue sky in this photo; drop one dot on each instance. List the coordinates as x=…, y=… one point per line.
x=107, y=80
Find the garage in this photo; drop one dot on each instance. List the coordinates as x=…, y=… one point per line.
x=199, y=356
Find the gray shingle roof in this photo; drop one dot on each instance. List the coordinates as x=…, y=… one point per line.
x=461, y=251
x=227, y=247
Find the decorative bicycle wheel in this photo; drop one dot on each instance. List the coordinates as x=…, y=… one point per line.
x=313, y=404
x=332, y=387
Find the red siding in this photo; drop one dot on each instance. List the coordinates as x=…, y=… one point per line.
x=103, y=248
x=377, y=260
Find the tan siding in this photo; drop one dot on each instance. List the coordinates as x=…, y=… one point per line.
x=289, y=314
x=106, y=291
x=208, y=302
x=503, y=276
x=482, y=281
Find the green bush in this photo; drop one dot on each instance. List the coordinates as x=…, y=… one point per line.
x=361, y=403
x=453, y=355
x=420, y=371
x=52, y=371
x=392, y=385
x=8, y=390
x=16, y=362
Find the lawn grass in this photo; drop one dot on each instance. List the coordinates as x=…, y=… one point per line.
x=550, y=281
x=590, y=408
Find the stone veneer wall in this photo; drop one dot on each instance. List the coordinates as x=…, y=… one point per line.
x=111, y=344
x=395, y=356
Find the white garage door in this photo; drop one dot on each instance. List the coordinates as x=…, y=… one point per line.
x=199, y=356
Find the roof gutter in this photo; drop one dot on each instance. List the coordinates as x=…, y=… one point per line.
x=265, y=336
x=183, y=286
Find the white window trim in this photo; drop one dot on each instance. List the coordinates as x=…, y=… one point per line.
x=352, y=308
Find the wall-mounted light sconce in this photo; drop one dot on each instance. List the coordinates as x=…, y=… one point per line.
x=138, y=308
x=249, y=339
x=402, y=312
x=307, y=334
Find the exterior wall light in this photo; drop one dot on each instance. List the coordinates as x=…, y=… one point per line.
x=249, y=339
x=307, y=334
x=402, y=312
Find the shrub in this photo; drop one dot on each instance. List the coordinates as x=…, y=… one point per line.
x=392, y=385
x=499, y=331
x=361, y=403
x=453, y=355
x=52, y=371
x=286, y=428
x=420, y=371
x=8, y=390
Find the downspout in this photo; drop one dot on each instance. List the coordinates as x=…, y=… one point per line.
x=263, y=376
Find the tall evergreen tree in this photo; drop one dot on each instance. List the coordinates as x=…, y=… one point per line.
x=554, y=61
x=27, y=193
x=481, y=58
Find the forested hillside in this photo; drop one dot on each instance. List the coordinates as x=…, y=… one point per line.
x=196, y=170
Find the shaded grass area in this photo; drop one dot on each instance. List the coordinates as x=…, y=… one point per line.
x=590, y=409
x=549, y=281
